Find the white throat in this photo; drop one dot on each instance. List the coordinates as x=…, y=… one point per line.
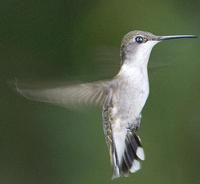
x=140, y=58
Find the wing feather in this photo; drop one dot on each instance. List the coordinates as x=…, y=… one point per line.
x=68, y=96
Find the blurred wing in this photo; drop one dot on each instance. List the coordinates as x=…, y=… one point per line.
x=67, y=96
x=107, y=58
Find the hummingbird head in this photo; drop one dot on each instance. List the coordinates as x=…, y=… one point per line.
x=136, y=46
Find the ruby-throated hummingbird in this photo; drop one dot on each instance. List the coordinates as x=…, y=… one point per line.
x=122, y=99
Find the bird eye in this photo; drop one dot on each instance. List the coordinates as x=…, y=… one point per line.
x=139, y=39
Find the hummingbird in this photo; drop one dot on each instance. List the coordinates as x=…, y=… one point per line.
x=121, y=99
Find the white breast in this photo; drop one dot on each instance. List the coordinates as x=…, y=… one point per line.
x=134, y=90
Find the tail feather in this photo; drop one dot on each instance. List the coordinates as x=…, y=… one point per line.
x=132, y=155
x=115, y=163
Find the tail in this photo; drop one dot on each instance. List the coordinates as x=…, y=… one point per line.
x=126, y=155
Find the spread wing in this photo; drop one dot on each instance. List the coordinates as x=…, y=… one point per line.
x=67, y=96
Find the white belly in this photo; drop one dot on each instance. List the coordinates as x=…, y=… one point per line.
x=133, y=93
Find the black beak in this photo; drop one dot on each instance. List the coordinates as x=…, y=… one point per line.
x=161, y=38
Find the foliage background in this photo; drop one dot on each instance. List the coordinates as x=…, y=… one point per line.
x=63, y=40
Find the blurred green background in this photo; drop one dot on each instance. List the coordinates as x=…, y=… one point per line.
x=77, y=40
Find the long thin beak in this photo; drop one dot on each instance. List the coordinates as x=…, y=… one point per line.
x=161, y=38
